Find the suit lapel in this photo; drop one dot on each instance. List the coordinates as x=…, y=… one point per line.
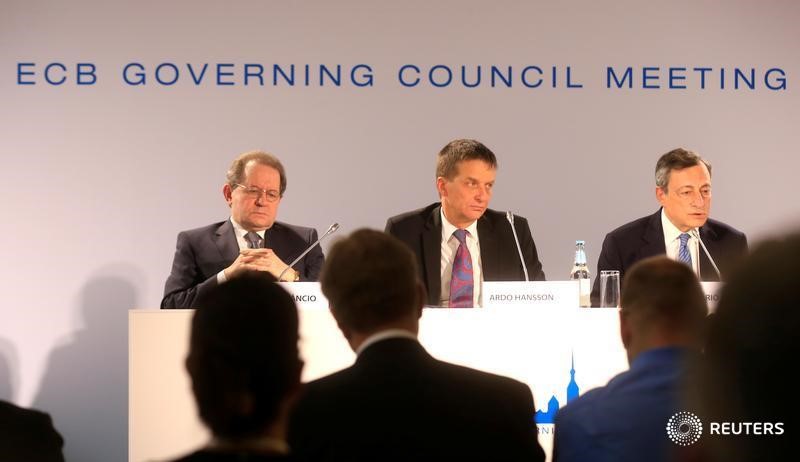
x=225, y=239
x=275, y=239
x=653, y=238
x=487, y=238
x=709, y=237
x=432, y=255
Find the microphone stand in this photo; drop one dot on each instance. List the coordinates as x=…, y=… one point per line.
x=330, y=230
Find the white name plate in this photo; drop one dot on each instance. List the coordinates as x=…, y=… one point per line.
x=531, y=294
x=306, y=294
x=712, y=292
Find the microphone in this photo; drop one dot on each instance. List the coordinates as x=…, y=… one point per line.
x=332, y=229
x=510, y=218
x=694, y=232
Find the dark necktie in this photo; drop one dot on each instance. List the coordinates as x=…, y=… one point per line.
x=462, y=284
x=254, y=241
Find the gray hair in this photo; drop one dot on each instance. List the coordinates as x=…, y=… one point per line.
x=677, y=159
x=236, y=174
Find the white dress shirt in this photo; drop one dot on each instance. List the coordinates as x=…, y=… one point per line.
x=449, y=247
x=384, y=335
x=240, y=240
x=672, y=242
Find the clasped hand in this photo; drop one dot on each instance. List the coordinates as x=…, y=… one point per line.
x=258, y=260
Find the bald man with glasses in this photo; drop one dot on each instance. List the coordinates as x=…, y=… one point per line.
x=251, y=239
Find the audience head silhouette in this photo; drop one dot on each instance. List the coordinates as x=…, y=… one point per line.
x=662, y=305
x=244, y=361
x=370, y=280
x=752, y=342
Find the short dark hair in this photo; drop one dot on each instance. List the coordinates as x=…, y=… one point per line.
x=677, y=159
x=663, y=292
x=243, y=354
x=461, y=150
x=370, y=279
x=752, y=342
x=236, y=175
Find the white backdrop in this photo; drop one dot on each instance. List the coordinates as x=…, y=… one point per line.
x=97, y=180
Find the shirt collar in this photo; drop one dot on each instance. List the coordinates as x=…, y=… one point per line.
x=671, y=232
x=265, y=444
x=384, y=335
x=660, y=355
x=241, y=231
x=448, y=228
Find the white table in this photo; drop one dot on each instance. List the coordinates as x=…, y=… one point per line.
x=533, y=345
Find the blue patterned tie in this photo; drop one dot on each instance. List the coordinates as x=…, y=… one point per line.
x=253, y=240
x=683, y=252
x=462, y=284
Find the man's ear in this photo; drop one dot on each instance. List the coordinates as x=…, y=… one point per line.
x=297, y=379
x=345, y=330
x=625, y=332
x=661, y=195
x=441, y=182
x=227, y=192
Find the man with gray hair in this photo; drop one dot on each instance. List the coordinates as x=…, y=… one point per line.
x=683, y=188
x=251, y=239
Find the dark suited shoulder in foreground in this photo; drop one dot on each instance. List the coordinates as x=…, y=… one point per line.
x=397, y=402
x=207, y=455
x=27, y=435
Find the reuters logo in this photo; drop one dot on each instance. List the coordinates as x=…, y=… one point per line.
x=684, y=428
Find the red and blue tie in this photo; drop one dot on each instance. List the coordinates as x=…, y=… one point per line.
x=462, y=284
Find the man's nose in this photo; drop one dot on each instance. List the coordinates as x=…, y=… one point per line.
x=698, y=200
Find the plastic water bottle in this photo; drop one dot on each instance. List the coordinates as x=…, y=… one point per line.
x=580, y=273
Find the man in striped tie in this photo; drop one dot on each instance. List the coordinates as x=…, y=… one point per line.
x=683, y=188
x=460, y=242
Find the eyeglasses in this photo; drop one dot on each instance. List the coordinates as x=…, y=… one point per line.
x=252, y=191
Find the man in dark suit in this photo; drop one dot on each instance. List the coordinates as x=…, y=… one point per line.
x=245, y=368
x=397, y=402
x=662, y=321
x=250, y=240
x=28, y=435
x=683, y=188
x=460, y=242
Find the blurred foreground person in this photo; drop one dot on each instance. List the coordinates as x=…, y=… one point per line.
x=744, y=397
x=27, y=435
x=245, y=368
x=397, y=402
x=662, y=319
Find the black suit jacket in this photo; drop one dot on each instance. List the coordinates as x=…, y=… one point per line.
x=203, y=252
x=27, y=435
x=210, y=455
x=644, y=238
x=421, y=230
x=399, y=403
